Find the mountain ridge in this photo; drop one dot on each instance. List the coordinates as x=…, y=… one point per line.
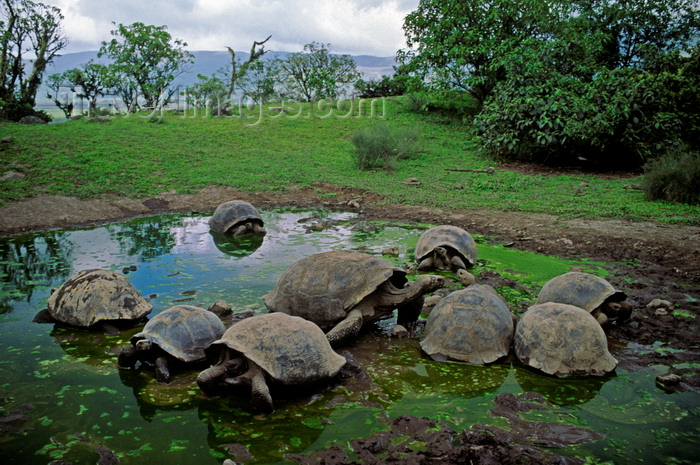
x=207, y=62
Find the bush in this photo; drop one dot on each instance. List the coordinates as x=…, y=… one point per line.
x=379, y=146
x=617, y=118
x=673, y=177
x=387, y=86
x=15, y=111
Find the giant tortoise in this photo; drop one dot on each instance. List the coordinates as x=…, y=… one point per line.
x=561, y=339
x=342, y=290
x=175, y=336
x=270, y=349
x=236, y=217
x=589, y=292
x=445, y=247
x=470, y=325
x=93, y=297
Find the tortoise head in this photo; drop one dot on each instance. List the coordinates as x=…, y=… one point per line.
x=144, y=345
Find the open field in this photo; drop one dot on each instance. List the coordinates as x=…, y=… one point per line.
x=136, y=157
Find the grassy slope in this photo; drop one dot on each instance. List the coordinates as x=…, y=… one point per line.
x=135, y=157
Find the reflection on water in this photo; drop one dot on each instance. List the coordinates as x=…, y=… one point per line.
x=67, y=384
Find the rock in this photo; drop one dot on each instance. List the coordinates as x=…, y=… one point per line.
x=659, y=303
x=411, y=182
x=399, y=331
x=668, y=381
x=354, y=204
x=12, y=176
x=393, y=250
x=242, y=315
x=661, y=311
x=6, y=140
x=220, y=308
x=31, y=119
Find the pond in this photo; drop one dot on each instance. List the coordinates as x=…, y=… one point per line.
x=62, y=396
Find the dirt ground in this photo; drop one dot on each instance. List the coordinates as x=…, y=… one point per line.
x=648, y=261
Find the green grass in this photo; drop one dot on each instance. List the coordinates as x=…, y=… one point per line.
x=134, y=157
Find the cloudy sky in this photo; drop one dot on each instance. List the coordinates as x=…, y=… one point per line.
x=357, y=27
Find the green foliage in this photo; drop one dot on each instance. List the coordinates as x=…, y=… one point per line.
x=618, y=118
x=207, y=91
x=387, y=86
x=315, y=73
x=379, y=146
x=149, y=57
x=455, y=44
x=673, y=177
x=260, y=80
x=90, y=81
x=26, y=26
x=612, y=83
x=15, y=111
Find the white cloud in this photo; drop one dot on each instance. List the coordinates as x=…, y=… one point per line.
x=372, y=27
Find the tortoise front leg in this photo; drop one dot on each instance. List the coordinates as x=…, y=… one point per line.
x=162, y=370
x=259, y=391
x=457, y=264
x=346, y=329
x=426, y=264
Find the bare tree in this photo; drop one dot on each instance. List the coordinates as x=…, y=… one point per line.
x=256, y=51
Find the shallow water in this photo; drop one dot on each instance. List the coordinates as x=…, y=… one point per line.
x=76, y=399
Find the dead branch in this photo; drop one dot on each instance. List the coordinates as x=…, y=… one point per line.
x=487, y=170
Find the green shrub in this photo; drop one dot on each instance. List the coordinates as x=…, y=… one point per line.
x=15, y=111
x=379, y=146
x=673, y=177
x=417, y=102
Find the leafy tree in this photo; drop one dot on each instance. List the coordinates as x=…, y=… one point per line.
x=207, y=90
x=456, y=44
x=150, y=57
x=124, y=85
x=261, y=79
x=90, y=81
x=632, y=29
x=316, y=73
x=55, y=83
x=590, y=79
x=26, y=26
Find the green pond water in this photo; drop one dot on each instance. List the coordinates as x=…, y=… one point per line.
x=75, y=399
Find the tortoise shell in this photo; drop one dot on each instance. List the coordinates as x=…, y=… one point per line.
x=229, y=214
x=183, y=331
x=583, y=290
x=289, y=349
x=470, y=325
x=95, y=295
x=447, y=236
x=561, y=339
x=324, y=287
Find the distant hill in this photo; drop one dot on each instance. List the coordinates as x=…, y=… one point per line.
x=209, y=62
